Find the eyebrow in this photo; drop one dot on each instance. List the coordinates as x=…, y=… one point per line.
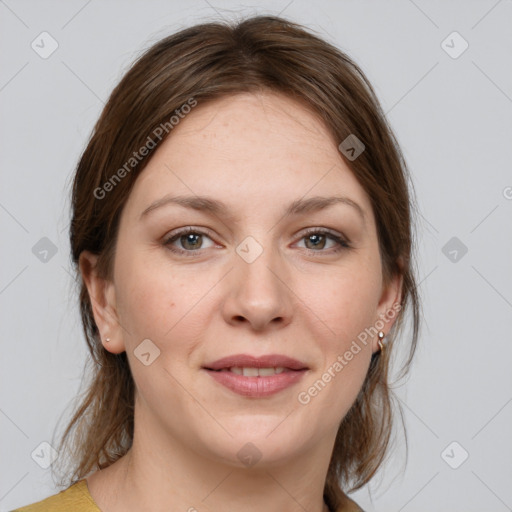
x=218, y=208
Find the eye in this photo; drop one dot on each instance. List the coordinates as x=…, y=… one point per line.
x=316, y=240
x=190, y=239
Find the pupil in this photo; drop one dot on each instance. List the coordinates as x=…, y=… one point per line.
x=189, y=239
x=317, y=238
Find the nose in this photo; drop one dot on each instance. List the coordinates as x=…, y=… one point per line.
x=258, y=292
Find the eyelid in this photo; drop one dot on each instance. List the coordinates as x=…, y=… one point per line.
x=188, y=229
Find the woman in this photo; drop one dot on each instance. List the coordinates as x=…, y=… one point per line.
x=242, y=226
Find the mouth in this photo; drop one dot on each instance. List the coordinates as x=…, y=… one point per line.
x=256, y=377
x=255, y=372
x=248, y=362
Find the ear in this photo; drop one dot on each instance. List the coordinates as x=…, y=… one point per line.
x=103, y=302
x=390, y=304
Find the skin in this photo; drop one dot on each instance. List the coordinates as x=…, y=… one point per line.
x=257, y=153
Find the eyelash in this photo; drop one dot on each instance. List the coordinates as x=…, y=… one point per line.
x=343, y=244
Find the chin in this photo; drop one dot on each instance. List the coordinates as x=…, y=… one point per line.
x=260, y=441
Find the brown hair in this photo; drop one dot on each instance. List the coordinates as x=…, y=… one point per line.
x=205, y=62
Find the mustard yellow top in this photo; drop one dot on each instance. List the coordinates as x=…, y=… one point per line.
x=77, y=498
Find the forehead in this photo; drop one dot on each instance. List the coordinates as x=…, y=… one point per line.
x=263, y=148
x=243, y=123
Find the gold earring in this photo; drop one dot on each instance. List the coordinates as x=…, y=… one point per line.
x=381, y=337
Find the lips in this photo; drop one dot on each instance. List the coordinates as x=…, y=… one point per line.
x=248, y=361
x=256, y=377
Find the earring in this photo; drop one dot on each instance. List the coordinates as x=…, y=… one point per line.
x=107, y=339
x=381, y=337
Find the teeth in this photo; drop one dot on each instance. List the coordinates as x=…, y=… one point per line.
x=265, y=372
x=255, y=372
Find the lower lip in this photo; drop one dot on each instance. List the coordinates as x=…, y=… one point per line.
x=257, y=386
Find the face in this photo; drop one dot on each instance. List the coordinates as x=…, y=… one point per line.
x=260, y=268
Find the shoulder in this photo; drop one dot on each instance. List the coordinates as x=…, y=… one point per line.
x=75, y=498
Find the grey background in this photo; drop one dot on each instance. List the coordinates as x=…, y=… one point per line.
x=452, y=117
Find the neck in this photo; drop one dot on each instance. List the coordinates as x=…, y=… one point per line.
x=160, y=474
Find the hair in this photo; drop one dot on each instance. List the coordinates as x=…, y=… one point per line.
x=201, y=63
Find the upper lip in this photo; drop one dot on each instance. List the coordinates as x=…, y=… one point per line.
x=248, y=361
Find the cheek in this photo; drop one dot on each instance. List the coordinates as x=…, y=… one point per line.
x=147, y=303
x=339, y=306
x=162, y=303
x=346, y=306
x=343, y=301
x=158, y=303
x=143, y=302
